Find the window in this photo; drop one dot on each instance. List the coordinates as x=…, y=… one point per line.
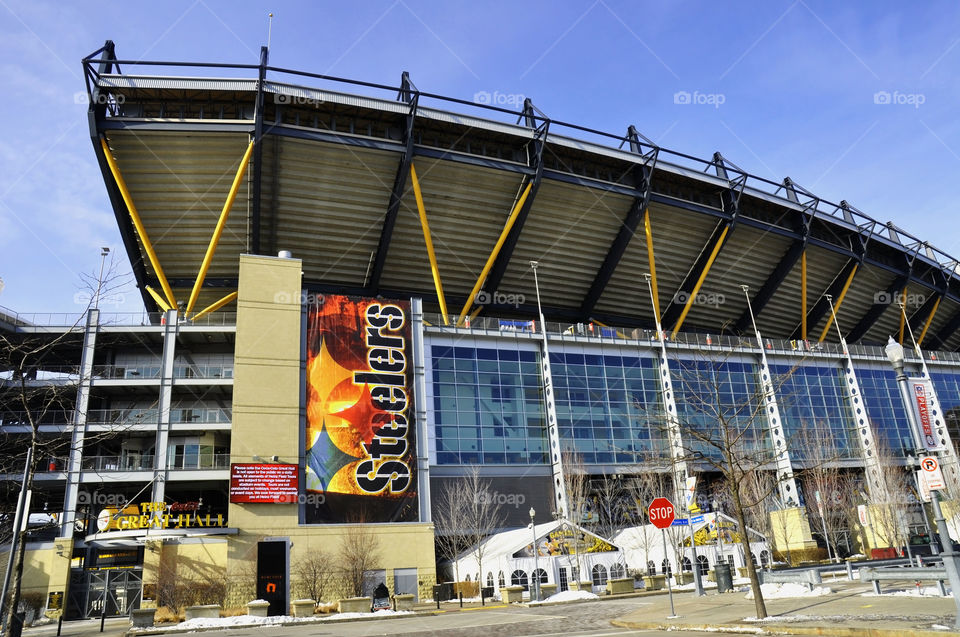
x=617, y=571
x=519, y=578
x=500, y=579
x=490, y=579
x=703, y=564
x=765, y=558
x=651, y=567
x=665, y=567
x=685, y=565
x=599, y=573
x=541, y=575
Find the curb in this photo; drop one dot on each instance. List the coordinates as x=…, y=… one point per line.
x=832, y=631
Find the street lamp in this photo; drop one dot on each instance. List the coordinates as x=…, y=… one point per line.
x=536, y=561
x=951, y=561
x=103, y=257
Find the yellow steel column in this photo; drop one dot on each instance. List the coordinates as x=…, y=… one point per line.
x=836, y=307
x=902, y=302
x=495, y=253
x=429, y=241
x=926, y=325
x=221, y=224
x=803, y=295
x=703, y=276
x=215, y=306
x=137, y=223
x=159, y=299
x=648, y=230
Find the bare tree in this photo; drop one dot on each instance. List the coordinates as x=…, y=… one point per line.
x=827, y=487
x=722, y=425
x=483, y=516
x=449, y=518
x=359, y=554
x=891, y=507
x=760, y=486
x=314, y=573
x=578, y=501
x=643, y=488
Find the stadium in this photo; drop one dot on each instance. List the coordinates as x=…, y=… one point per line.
x=357, y=293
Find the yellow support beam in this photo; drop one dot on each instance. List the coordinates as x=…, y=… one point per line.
x=926, y=325
x=429, y=241
x=836, y=307
x=648, y=230
x=221, y=224
x=138, y=224
x=703, y=277
x=803, y=295
x=159, y=299
x=496, y=252
x=903, y=313
x=216, y=306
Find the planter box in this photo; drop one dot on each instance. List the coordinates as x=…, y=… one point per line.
x=303, y=607
x=354, y=605
x=403, y=602
x=711, y=576
x=620, y=586
x=258, y=608
x=511, y=594
x=142, y=617
x=547, y=590
x=743, y=571
x=208, y=611
x=654, y=582
x=686, y=577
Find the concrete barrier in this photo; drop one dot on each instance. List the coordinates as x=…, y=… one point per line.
x=403, y=602
x=207, y=611
x=142, y=617
x=303, y=607
x=511, y=594
x=547, y=590
x=620, y=586
x=258, y=608
x=354, y=605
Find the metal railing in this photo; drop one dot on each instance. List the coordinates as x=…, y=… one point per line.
x=49, y=417
x=200, y=461
x=78, y=319
x=199, y=413
x=127, y=462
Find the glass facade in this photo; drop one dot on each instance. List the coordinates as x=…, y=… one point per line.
x=947, y=386
x=608, y=406
x=885, y=410
x=813, y=406
x=488, y=405
x=713, y=394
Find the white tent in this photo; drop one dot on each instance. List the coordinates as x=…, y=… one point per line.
x=564, y=551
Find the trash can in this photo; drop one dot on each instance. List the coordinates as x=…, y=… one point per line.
x=443, y=592
x=724, y=577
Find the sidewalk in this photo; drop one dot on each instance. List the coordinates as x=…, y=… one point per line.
x=844, y=612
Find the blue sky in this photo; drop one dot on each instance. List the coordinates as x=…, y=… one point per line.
x=780, y=88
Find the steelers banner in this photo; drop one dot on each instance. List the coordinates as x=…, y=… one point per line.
x=360, y=459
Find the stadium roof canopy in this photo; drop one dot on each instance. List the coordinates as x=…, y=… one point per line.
x=331, y=178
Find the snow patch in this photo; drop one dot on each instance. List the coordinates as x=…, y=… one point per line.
x=276, y=620
x=789, y=589
x=926, y=591
x=569, y=596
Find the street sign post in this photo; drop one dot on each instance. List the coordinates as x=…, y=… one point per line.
x=661, y=515
x=931, y=470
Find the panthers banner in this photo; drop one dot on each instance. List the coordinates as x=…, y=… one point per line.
x=360, y=458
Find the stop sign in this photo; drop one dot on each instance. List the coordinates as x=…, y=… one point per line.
x=661, y=513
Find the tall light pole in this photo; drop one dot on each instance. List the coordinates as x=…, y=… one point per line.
x=104, y=251
x=536, y=560
x=951, y=561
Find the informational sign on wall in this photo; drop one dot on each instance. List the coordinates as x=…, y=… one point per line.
x=360, y=433
x=264, y=483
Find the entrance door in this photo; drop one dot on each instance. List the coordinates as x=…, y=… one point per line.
x=111, y=592
x=405, y=582
x=563, y=578
x=272, y=573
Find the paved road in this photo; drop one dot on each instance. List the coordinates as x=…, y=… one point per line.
x=590, y=619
